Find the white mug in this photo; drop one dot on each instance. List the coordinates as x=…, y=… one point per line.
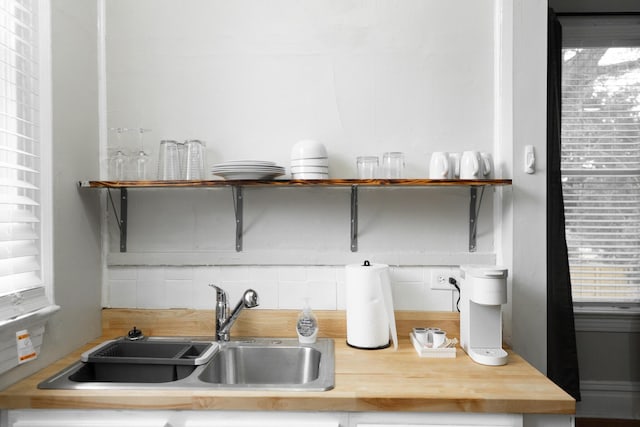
x=438, y=339
x=487, y=165
x=470, y=165
x=439, y=167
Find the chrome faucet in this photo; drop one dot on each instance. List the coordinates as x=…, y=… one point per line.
x=225, y=320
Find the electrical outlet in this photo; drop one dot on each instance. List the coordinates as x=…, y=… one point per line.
x=440, y=278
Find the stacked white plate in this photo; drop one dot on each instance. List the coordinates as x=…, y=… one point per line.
x=247, y=169
x=309, y=160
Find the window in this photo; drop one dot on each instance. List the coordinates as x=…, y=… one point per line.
x=24, y=153
x=601, y=156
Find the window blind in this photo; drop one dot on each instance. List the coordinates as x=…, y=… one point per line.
x=21, y=283
x=601, y=171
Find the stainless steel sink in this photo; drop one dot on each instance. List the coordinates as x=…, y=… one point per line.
x=261, y=364
x=248, y=364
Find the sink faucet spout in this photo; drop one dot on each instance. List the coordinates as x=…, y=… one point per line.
x=225, y=320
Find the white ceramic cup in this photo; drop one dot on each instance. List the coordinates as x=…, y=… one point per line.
x=440, y=166
x=487, y=165
x=426, y=335
x=470, y=165
x=438, y=338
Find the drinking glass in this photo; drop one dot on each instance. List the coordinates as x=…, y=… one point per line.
x=142, y=160
x=393, y=165
x=141, y=166
x=118, y=160
x=194, y=153
x=168, y=161
x=367, y=167
x=118, y=166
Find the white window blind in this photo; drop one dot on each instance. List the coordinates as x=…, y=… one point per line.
x=21, y=280
x=601, y=162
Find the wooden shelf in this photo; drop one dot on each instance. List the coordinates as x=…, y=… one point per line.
x=299, y=183
x=237, y=187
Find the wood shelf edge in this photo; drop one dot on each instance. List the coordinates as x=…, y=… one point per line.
x=298, y=183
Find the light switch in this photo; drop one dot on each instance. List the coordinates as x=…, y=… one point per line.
x=529, y=159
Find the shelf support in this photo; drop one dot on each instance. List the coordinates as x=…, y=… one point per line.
x=237, y=208
x=354, y=218
x=121, y=219
x=475, y=203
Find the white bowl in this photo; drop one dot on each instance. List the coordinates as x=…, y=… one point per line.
x=308, y=149
x=309, y=176
x=310, y=169
x=310, y=162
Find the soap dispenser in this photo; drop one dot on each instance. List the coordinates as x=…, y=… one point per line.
x=307, y=325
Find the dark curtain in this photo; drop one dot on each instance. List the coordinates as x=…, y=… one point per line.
x=562, y=356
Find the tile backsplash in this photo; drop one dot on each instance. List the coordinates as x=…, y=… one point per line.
x=278, y=287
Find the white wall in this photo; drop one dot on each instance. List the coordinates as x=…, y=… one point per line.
x=251, y=78
x=529, y=191
x=76, y=215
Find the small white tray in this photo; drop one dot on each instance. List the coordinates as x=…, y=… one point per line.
x=448, y=351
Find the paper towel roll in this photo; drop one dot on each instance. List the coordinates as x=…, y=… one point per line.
x=370, y=316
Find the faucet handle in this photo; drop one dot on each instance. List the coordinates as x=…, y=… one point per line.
x=221, y=305
x=220, y=293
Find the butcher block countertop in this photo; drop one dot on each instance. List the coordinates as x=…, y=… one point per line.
x=365, y=380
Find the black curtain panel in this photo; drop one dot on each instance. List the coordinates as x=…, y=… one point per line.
x=562, y=356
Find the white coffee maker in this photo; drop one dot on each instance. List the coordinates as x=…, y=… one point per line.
x=483, y=290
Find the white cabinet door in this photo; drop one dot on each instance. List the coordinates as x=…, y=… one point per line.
x=73, y=418
x=424, y=419
x=260, y=419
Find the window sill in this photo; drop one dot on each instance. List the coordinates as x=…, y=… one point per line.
x=42, y=314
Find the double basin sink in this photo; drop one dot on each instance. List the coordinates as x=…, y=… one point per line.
x=163, y=362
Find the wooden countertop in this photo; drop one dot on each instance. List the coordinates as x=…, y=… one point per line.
x=380, y=380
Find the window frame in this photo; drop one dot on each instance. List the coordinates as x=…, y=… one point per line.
x=602, y=30
x=45, y=184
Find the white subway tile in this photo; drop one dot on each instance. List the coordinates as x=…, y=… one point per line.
x=179, y=293
x=292, y=274
x=178, y=273
x=341, y=303
x=321, y=295
x=408, y=296
x=439, y=300
x=151, y=274
x=122, y=273
x=203, y=296
x=122, y=293
x=291, y=294
x=259, y=273
x=321, y=274
x=234, y=273
x=151, y=294
x=340, y=274
x=205, y=275
x=407, y=274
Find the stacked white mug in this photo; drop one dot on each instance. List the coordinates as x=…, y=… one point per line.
x=466, y=165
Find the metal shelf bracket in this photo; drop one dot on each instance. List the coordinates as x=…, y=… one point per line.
x=237, y=208
x=354, y=218
x=475, y=203
x=121, y=219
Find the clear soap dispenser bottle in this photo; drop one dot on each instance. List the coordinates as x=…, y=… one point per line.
x=307, y=325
